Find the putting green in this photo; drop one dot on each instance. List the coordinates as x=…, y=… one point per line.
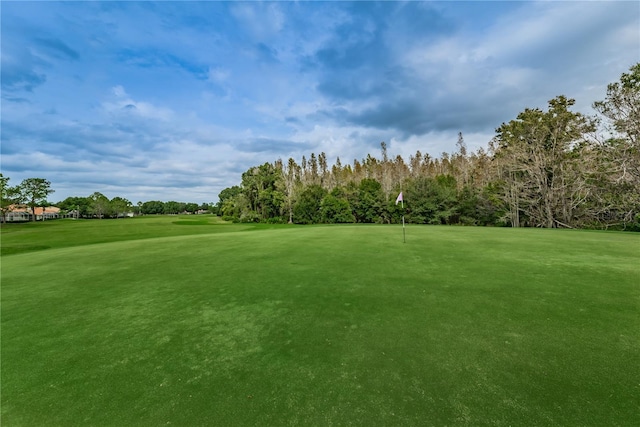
x=325, y=325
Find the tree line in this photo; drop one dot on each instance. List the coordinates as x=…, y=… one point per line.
x=33, y=192
x=545, y=168
x=98, y=205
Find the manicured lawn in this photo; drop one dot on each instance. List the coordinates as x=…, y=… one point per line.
x=214, y=324
x=35, y=236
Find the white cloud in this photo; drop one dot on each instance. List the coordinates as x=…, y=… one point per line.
x=119, y=91
x=262, y=20
x=218, y=75
x=123, y=104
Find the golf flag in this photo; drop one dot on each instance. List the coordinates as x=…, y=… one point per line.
x=401, y=199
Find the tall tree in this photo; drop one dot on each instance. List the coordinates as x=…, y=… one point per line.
x=314, y=178
x=622, y=105
x=536, y=149
x=324, y=171
x=260, y=187
x=386, y=174
x=461, y=163
x=618, y=166
x=400, y=171
x=290, y=182
x=34, y=191
x=416, y=164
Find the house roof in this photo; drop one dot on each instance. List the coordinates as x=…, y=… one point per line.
x=39, y=210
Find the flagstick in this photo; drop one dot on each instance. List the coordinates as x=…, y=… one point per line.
x=401, y=199
x=404, y=237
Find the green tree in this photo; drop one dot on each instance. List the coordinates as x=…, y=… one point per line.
x=173, y=207
x=80, y=204
x=228, y=194
x=260, y=187
x=34, y=191
x=432, y=200
x=489, y=207
x=468, y=206
x=231, y=203
x=8, y=196
x=120, y=205
x=99, y=205
x=307, y=209
x=335, y=208
x=191, y=207
x=153, y=207
x=370, y=203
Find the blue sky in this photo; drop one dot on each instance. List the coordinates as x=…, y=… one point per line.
x=174, y=100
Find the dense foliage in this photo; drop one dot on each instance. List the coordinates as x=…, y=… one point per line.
x=99, y=206
x=553, y=168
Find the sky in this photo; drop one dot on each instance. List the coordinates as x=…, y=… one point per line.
x=174, y=100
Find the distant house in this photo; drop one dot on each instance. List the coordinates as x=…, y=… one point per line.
x=18, y=213
x=74, y=213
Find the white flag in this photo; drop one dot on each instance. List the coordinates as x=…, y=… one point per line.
x=399, y=199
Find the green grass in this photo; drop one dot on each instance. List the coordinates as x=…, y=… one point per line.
x=214, y=324
x=33, y=236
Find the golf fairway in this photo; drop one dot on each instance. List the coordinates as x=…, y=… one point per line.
x=325, y=325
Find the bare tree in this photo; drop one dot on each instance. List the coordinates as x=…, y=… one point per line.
x=536, y=150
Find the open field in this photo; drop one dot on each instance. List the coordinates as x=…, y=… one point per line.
x=187, y=321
